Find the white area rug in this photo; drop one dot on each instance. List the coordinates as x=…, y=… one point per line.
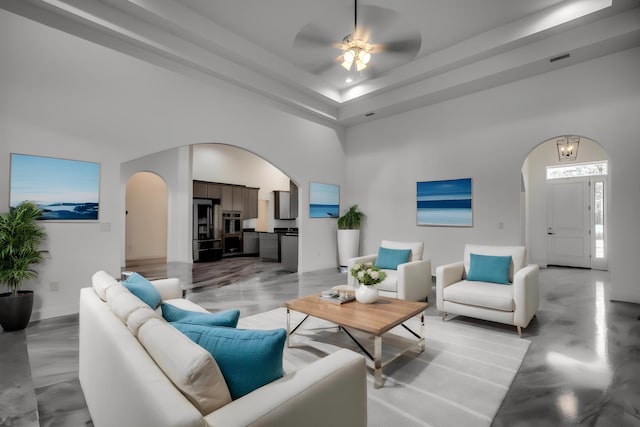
x=459, y=380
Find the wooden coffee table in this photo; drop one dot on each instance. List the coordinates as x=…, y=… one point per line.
x=375, y=319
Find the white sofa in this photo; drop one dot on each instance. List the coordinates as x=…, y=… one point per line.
x=126, y=381
x=411, y=281
x=513, y=304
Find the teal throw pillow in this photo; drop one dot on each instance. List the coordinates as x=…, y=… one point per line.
x=248, y=359
x=488, y=268
x=143, y=289
x=390, y=258
x=228, y=318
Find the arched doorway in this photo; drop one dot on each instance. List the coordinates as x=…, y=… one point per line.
x=261, y=230
x=565, y=205
x=146, y=219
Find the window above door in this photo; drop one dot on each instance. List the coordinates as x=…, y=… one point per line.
x=578, y=169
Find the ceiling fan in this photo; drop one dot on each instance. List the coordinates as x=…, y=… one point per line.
x=356, y=48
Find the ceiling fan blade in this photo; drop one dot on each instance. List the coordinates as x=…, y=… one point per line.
x=311, y=35
x=409, y=45
x=324, y=67
x=376, y=19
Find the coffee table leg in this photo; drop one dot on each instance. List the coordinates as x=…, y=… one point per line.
x=377, y=361
x=422, y=336
x=288, y=325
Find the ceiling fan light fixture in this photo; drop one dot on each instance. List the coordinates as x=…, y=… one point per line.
x=355, y=54
x=349, y=55
x=355, y=46
x=364, y=57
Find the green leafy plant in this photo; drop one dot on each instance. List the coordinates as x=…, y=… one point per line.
x=20, y=239
x=351, y=220
x=368, y=274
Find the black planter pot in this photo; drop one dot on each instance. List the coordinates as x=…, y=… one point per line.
x=15, y=311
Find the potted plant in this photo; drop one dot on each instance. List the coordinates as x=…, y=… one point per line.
x=349, y=235
x=20, y=238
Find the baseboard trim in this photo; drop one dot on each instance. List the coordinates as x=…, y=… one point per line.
x=131, y=263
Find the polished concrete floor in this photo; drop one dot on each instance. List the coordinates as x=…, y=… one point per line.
x=582, y=368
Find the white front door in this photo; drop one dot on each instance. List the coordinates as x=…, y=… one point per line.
x=568, y=222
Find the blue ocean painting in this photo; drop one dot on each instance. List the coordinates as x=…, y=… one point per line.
x=324, y=200
x=63, y=189
x=445, y=203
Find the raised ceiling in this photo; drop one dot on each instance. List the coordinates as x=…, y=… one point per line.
x=264, y=47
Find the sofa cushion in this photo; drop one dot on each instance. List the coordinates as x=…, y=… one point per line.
x=228, y=318
x=247, y=358
x=190, y=367
x=390, y=258
x=143, y=289
x=102, y=281
x=139, y=317
x=390, y=283
x=125, y=303
x=114, y=291
x=489, y=268
x=481, y=294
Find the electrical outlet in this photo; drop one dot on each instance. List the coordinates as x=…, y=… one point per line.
x=54, y=286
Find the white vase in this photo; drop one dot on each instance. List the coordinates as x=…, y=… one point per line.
x=366, y=294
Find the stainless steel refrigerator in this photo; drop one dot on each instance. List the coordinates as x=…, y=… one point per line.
x=207, y=230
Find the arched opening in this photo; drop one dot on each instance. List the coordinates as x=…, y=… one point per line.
x=565, y=204
x=250, y=194
x=146, y=220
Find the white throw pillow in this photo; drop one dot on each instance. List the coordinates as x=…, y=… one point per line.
x=190, y=367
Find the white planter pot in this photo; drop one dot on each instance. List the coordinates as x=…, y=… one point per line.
x=366, y=294
x=348, y=245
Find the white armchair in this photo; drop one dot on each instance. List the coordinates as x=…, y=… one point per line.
x=514, y=304
x=411, y=281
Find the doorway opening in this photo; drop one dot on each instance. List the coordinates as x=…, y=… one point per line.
x=251, y=193
x=577, y=215
x=566, y=206
x=146, y=220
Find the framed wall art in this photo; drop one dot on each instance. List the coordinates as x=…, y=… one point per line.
x=324, y=200
x=446, y=203
x=65, y=190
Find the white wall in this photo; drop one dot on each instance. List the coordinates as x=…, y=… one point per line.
x=546, y=154
x=487, y=136
x=76, y=250
x=65, y=97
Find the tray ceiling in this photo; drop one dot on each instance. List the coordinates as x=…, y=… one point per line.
x=263, y=46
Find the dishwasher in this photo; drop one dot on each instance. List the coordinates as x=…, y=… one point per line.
x=289, y=252
x=268, y=246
